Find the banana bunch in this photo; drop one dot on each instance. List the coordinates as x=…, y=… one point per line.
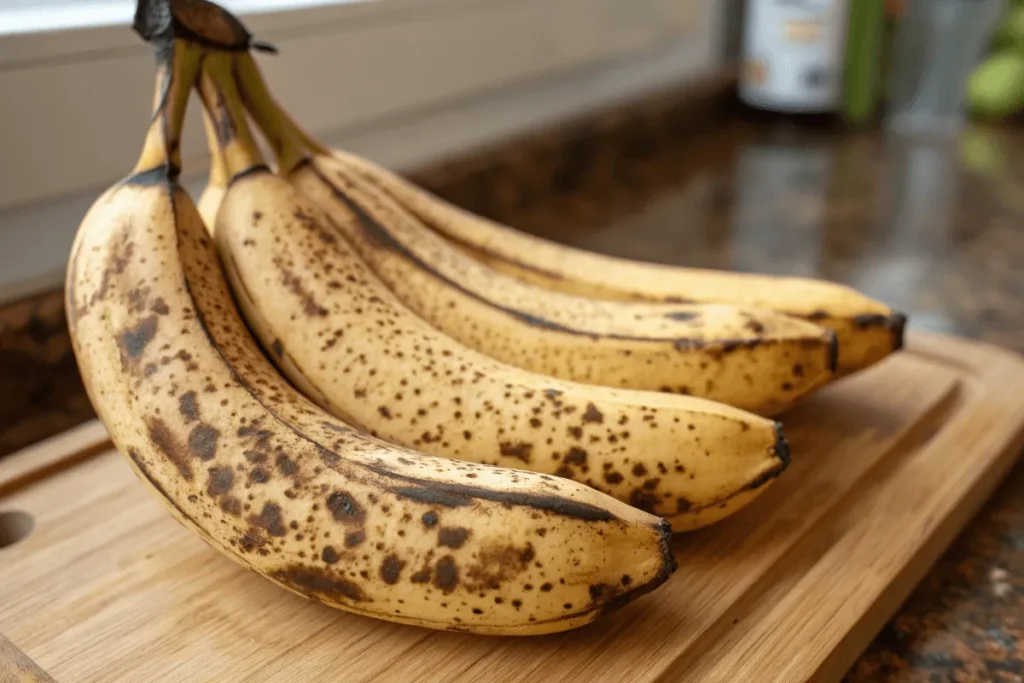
x=396, y=408
x=268, y=478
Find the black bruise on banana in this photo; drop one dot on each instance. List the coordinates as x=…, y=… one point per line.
x=134, y=340
x=165, y=442
x=381, y=236
x=452, y=495
x=321, y=585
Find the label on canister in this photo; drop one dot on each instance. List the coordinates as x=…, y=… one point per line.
x=793, y=54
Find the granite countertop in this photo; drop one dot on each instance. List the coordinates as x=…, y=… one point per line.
x=693, y=179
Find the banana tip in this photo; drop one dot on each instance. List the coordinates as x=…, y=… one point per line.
x=897, y=324
x=668, y=558
x=781, y=448
x=833, y=351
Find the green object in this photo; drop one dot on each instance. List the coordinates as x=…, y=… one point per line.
x=865, y=43
x=1010, y=33
x=982, y=151
x=996, y=88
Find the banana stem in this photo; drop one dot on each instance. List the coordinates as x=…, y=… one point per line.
x=231, y=135
x=218, y=164
x=177, y=67
x=291, y=144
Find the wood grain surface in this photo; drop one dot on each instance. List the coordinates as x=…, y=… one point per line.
x=16, y=667
x=887, y=467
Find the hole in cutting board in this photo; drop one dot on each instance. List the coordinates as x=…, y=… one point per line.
x=14, y=526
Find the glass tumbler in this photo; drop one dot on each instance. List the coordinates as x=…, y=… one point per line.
x=938, y=44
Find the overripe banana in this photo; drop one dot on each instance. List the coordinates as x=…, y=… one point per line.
x=278, y=485
x=346, y=339
x=756, y=360
x=867, y=330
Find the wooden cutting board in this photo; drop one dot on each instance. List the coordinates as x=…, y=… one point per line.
x=887, y=467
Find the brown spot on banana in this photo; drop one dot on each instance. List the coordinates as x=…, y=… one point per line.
x=354, y=538
x=391, y=569
x=345, y=509
x=643, y=499
x=294, y=284
x=202, y=442
x=520, y=450
x=320, y=584
x=286, y=465
x=123, y=250
x=134, y=340
x=576, y=456
x=495, y=567
x=137, y=299
x=231, y=506
x=446, y=574
x=269, y=520
x=188, y=407
x=221, y=480
x=165, y=442
x=452, y=537
x=160, y=307
x=592, y=414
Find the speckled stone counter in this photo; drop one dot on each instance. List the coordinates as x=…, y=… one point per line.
x=936, y=230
